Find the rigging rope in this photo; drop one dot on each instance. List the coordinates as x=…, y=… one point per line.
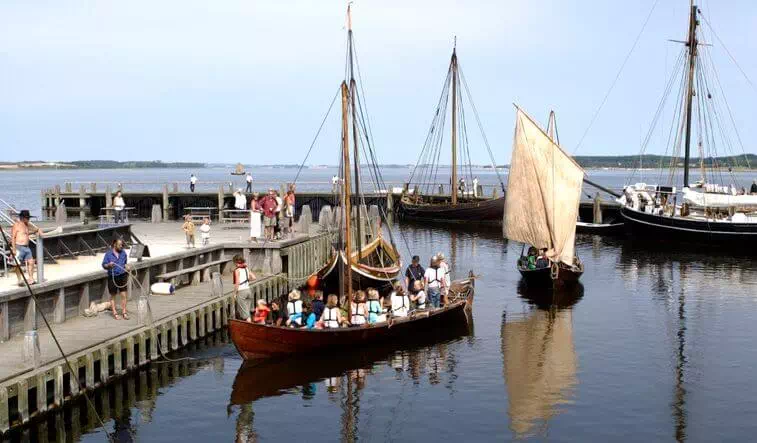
x=312, y=144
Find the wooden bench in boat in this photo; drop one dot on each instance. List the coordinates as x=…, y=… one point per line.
x=197, y=274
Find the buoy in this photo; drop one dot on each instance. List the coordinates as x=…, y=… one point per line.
x=162, y=288
x=312, y=282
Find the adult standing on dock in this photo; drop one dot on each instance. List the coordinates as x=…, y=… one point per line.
x=192, y=182
x=268, y=205
x=114, y=262
x=249, y=183
x=242, y=278
x=20, y=244
x=118, y=207
x=255, y=213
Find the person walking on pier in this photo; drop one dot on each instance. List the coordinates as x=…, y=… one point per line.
x=192, y=183
x=114, y=262
x=20, y=233
x=242, y=294
x=189, y=231
x=249, y=183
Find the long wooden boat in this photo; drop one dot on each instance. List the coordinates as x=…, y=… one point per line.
x=487, y=211
x=542, y=277
x=255, y=341
x=376, y=264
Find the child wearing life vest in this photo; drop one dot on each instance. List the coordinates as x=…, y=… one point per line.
x=419, y=295
x=400, y=302
x=375, y=312
x=261, y=312
x=332, y=316
x=359, y=309
x=294, y=309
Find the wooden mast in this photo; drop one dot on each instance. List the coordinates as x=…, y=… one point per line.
x=353, y=96
x=346, y=200
x=692, y=44
x=454, y=124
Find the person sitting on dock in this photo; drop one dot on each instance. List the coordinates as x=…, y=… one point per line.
x=242, y=293
x=189, y=231
x=294, y=309
x=114, y=262
x=359, y=309
x=375, y=312
x=261, y=312
x=278, y=313
x=418, y=296
x=331, y=317
x=400, y=302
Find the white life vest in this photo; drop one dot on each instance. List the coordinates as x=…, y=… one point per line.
x=400, y=305
x=330, y=318
x=244, y=283
x=358, y=314
x=294, y=309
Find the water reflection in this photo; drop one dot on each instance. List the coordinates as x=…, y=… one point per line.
x=342, y=377
x=540, y=361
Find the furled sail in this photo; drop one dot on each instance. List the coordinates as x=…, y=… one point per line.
x=543, y=192
x=699, y=199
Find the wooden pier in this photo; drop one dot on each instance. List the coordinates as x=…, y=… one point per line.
x=101, y=349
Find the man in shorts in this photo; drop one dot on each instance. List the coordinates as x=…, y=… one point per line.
x=20, y=233
x=118, y=276
x=268, y=204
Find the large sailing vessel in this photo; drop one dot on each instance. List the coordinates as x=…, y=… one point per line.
x=425, y=199
x=704, y=211
x=544, y=191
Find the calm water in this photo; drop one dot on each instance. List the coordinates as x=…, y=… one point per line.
x=658, y=344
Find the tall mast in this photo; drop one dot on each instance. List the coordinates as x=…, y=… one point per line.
x=692, y=44
x=454, y=123
x=353, y=97
x=346, y=201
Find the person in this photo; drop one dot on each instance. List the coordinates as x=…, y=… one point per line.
x=433, y=280
x=294, y=309
x=418, y=296
x=278, y=313
x=318, y=306
x=255, y=214
x=400, y=302
x=447, y=280
x=118, y=207
x=359, y=309
x=268, y=206
x=531, y=258
x=242, y=293
x=331, y=317
x=20, y=233
x=542, y=261
x=278, y=214
x=192, y=183
x=414, y=273
x=290, y=207
x=114, y=262
x=285, y=220
x=249, y=183
x=335, y=184
x=261, y=312
x=753, y=189
x=375, y=312
x=189, y=231
x=475, y=186
x=205, y=231
x=240, y=201
x=461, y=186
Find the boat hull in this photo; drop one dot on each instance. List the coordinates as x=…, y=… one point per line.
x=600, y=228
x=675, y=229
x=542, y=277
x=481, y=211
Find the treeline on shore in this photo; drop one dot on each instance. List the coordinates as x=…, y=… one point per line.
x=99, y=164
x=745, y=161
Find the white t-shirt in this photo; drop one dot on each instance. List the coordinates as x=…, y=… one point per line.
x=249, y=178
x=400, y=305
x=421, y=298
x=118, y=203
x=193, y=180
x=434, y=277
x=240, y=202
x=205, y=231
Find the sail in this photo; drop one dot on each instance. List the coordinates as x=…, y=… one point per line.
x=239, y=169
x=544, y=189
x=722, y=200
x=540, y=366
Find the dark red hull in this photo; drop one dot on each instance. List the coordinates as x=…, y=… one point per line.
x=254, y=341
x=480, y=211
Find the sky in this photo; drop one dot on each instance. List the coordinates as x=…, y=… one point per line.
x=250, y=80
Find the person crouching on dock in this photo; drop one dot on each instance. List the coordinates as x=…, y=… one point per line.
x=242, y=293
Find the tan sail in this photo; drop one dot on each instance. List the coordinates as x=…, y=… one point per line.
x=540, y=366
x=543, y=192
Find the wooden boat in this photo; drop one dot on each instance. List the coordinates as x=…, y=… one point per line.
x=461, y=205
x=377, y=264
x=615, y=228
x=544, y=192
x=239, y=170
x=255, y=341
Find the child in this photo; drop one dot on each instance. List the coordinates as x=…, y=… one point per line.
x=189, y=231
x=375, y=314
x=261, y=312
x=400, y=302
x=205, y=231
x=294, y=309
x=419, y=297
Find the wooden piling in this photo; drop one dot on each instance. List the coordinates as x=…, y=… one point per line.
x=82, y=204
x=165, y=203
x=597, y=209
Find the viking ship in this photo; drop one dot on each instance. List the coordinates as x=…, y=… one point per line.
x=707, y=211
x=239, y=170
x=465, y=202
x=375, y=263
x=544, y=191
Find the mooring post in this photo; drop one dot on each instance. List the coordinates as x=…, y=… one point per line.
x=108, y=197
x=597, y=209
x=40, y=251
x=220, y=202
x=82, y=204
x=325, y=218
x=93, y=187
x=306, y=218
x=165, y=202
x=57, y=195
x=69, y=187
x=43, y=203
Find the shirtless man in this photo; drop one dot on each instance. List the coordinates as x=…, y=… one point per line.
x=20, y=244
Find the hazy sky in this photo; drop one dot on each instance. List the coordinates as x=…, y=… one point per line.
x=248, y=80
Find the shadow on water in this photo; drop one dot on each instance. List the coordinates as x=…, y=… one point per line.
x=118, y=401
x=344, y=375
x=539, y=358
